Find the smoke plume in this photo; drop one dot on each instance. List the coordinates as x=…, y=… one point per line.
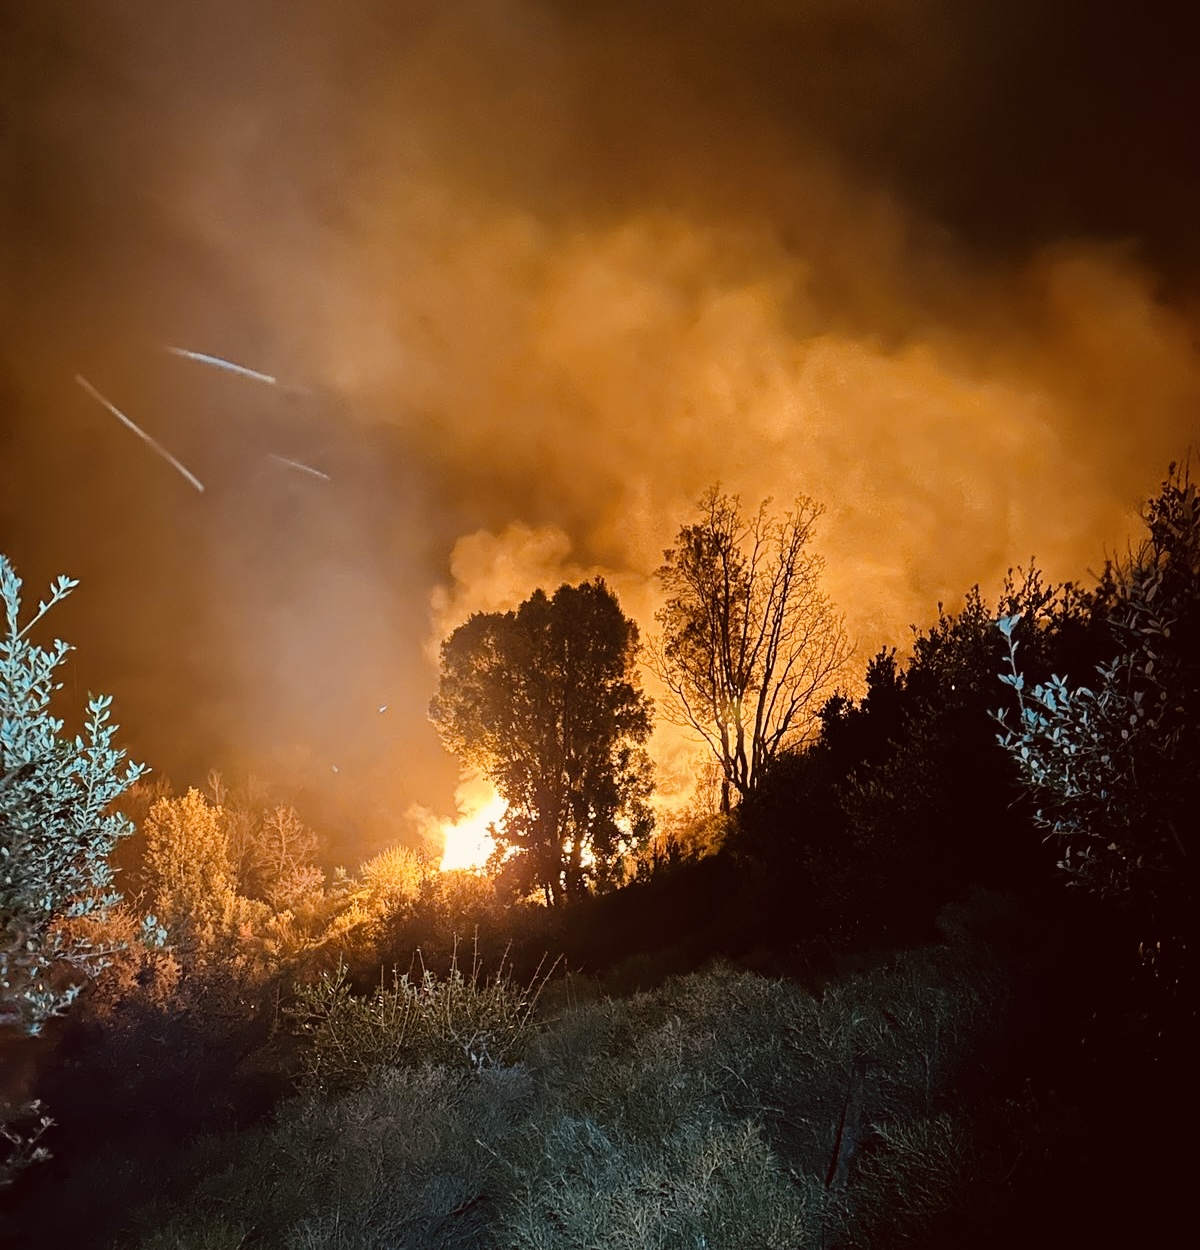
x=524, y=277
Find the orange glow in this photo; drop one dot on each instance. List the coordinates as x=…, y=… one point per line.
x=468, y=842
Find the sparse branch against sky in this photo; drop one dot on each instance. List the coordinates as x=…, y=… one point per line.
x=749, y=644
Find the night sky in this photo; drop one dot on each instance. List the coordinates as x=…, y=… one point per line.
x=530, y=277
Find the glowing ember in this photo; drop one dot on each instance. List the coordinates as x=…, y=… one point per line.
x=298, y=464
x=468, y=842
x=137, y=429
x=219, y=362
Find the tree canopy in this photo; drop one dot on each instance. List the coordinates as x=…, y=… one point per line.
x=545, y=701
x=1112, y=766
x=750, y=645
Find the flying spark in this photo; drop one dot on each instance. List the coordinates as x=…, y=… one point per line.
x=218, y=362
x=304, y=468
x=156, y=446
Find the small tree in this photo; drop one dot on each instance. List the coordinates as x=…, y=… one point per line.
x=57, y=828
x=545, y=702
x=190, y=879
x=282, y=859
x=242, y=806
x=392, y=879
x=750, y=645
x=270, y=849
x=1114, y=765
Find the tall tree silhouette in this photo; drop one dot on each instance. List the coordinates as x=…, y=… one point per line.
x=545, y=701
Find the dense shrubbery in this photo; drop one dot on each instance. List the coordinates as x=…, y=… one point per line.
x=1113, y=766
x=57, y=833
x=725, y=1110
x=906, y=800
x=864, y=1097
x=457, y=1019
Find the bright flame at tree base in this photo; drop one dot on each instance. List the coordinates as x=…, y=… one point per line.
x=468, y=842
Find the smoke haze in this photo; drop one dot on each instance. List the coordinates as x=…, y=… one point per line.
x=531, y=274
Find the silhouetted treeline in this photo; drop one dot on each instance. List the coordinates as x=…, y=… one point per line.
x=1060, y=901
x=906, y=798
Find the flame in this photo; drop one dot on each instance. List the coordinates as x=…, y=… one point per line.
x=468, y=842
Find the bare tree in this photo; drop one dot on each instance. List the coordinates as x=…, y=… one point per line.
x=749, y=645
x=281, y=859
x=270, y=849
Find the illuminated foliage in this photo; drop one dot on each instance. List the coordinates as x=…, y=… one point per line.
x=134, y=974
x=270, y=848
x=362, y=909
x=460, y=1019
x=1112, y=766
x=750, y=645
x=190, y=879
x=392, y=878
x=281, y=858
x=691, y=833
x=242, y=806
x=449, y=906
x=545, y=701
x=57, y=828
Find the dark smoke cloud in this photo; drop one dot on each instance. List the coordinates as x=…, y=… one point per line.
x=533, y=274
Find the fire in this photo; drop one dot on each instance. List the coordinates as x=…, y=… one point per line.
x=468, y=842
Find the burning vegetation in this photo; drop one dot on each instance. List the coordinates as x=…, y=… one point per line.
x=502, y=447
x=795, y=1107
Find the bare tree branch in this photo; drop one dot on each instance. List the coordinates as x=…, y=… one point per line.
x=749, y=644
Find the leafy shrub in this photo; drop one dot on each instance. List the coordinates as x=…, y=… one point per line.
x=710, y=1182
x=56, y=826
x=21, y=1129
x=638, y=1098
x=392, y=878
x=134, y=976
x=921, y=1175
x=406, y=1161
x=190, y=880
x=1112, y=767
x=456, y=1019
x=362, y=910
x=986, y=1174
x=866, y=826
x=57, y=831
x=443, y=905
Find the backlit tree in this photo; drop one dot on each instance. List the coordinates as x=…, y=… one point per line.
x=750, y=646
x=545, y=701
x=283, y=860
